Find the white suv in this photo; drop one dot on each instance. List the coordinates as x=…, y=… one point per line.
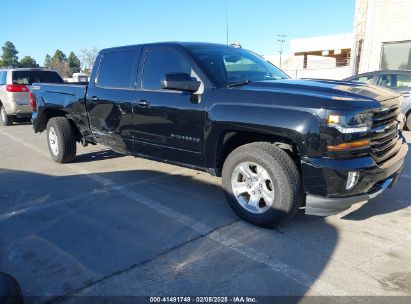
x=15, y=87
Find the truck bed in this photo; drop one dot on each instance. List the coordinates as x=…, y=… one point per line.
x=72, y=89
x=52, y=98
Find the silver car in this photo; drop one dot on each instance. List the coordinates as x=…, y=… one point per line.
x=396, y=80
x=15, y=88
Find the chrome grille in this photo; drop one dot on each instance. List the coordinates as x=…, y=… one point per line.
x=385, y=141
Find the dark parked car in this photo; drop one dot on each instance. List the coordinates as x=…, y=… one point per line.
x=397, y=80
x=279, y=144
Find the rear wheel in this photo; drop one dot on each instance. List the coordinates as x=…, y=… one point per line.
x=6, y=120
x=61, y=140
x=262, y=184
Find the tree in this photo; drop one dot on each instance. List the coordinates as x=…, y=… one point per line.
x=28, y=62
x=59, y=55
x=47, y=61
x=88, y=58
x=62, y=68
x=73, y=63
x=59, y=63
x=9, y=57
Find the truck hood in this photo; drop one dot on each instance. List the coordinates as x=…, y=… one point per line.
x=330, y=89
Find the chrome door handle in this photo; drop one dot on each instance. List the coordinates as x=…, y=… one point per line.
x=94, y=98
x=143, y=103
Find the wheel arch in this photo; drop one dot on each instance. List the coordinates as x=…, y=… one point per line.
x=50, y=113
x=229, y=140
x=294, y=130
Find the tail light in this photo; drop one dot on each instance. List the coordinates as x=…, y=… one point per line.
x=16, y=88
x=33, y=102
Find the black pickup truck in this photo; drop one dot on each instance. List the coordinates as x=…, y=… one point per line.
x=279, y=144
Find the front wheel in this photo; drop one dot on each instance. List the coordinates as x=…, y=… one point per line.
x=61, y=140
x=262, y=184
x=6, y=120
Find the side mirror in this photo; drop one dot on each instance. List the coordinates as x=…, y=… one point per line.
x=180, y=82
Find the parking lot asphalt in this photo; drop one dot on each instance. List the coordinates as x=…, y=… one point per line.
x=114, y=225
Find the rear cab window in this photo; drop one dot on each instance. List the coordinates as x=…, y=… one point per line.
x=116, y=70
x=29, y=77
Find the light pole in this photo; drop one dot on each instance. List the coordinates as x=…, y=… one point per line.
x=226, y=21
x=281, y=40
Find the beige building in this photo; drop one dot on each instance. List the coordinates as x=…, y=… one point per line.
x=381, y=40
x=382, y=35
x=331, y=48
x=317, y=57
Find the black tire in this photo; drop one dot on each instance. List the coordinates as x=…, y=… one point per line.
x=10, y=291
x=65, y=137
x=408, y=121
x=6, y=120
x=285, y=178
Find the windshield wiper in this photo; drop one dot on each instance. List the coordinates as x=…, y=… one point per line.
x=238, y=84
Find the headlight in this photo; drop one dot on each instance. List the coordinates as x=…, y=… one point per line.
x=351, y=124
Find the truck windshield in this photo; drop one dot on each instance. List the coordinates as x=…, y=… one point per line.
x=229, y=66
x=28, y=77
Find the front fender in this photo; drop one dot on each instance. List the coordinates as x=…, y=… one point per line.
x=298, y=126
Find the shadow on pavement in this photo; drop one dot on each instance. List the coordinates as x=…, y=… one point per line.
x=21, y=121
x=388, y=202
x=391, y=200
x=96, y=156
x=65, y=233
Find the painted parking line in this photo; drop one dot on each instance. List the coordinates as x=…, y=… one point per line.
x=251, y=253
x=24, y=143
x=39, y=207
x=227, y=241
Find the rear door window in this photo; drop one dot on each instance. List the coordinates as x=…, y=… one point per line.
x=394, y=81
x=403, y=80
x=29, y=77
x=387, y=80
x=115, y=70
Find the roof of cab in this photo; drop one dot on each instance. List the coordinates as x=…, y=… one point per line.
x=168, y=44
x=26, y=69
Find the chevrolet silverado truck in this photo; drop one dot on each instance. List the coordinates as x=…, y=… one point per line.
x=279, y=144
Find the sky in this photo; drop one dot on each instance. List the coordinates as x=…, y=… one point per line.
x=40, y=27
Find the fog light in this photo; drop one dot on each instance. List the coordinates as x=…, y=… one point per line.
x=352, y=179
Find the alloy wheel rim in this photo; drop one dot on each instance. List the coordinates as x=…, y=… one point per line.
x=54, y=146
x=252, y=187
x=3, y=114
